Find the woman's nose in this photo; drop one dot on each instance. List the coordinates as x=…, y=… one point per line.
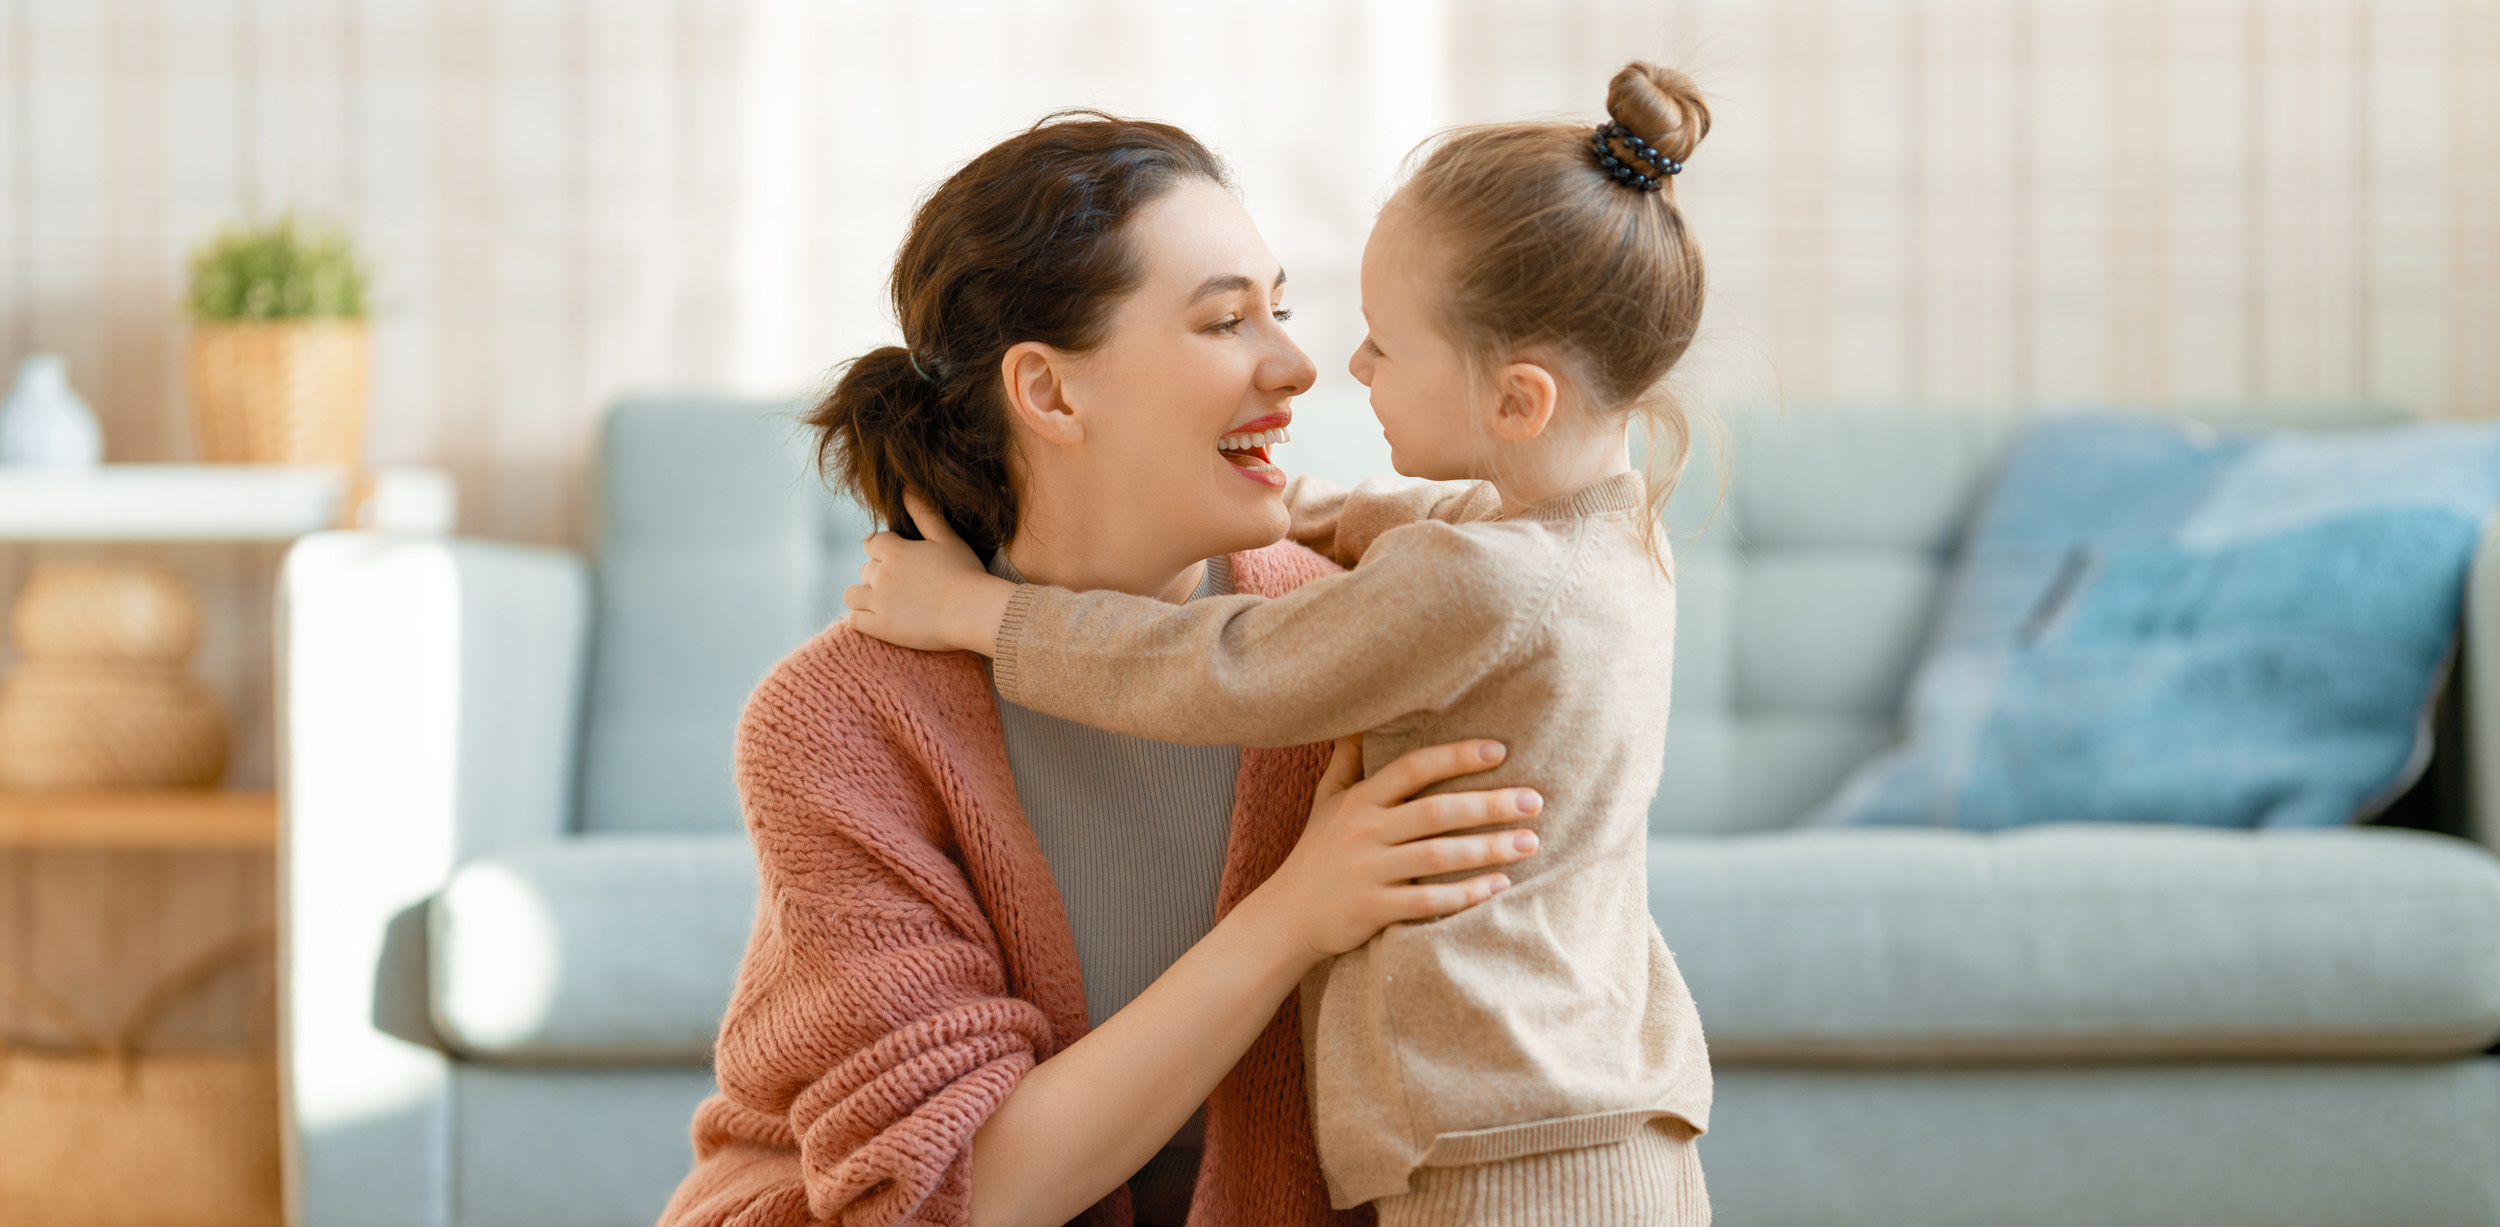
x=1290, y=371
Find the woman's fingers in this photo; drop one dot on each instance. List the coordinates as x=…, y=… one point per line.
x=1442, y=813
x=858, y=597
x=932, y=526
x=1432, y=858
x=1417, y=770
x=1427, y=900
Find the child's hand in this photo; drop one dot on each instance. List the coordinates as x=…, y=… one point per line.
x=933, y=595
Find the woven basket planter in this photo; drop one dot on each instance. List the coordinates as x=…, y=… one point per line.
x=280, y=392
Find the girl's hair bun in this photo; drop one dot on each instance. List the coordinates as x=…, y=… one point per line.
x=1661, y=106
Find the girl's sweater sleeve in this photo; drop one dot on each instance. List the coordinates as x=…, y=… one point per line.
x=872, y=1028
x=1432, y=609
x=1342, y=524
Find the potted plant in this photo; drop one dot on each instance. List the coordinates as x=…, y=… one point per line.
x=280, y=357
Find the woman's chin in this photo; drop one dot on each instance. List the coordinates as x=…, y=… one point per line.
x=1251, y=517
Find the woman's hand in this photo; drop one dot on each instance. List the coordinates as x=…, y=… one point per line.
x=932, y=594
x=1353, y=873
x=1089, y=1117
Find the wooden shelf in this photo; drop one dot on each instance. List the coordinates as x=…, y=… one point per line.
x=140, y=820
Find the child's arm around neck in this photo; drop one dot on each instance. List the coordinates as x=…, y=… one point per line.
x=932, y=595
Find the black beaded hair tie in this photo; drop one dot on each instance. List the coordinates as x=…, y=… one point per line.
x=1659, y=165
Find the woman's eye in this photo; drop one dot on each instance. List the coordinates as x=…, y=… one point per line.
x=1226, y=324
x=1373, y=346
x=1283, y=314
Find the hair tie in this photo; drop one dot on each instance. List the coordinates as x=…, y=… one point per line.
x=914, y=359
x=1660, y=166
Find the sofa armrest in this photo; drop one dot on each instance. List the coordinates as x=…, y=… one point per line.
x=428, y=706
x=2478, y=669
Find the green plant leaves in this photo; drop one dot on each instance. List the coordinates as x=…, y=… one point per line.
x=280, y=271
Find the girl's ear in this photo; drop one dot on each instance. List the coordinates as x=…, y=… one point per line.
x=1036, y=379
x=1528, y=396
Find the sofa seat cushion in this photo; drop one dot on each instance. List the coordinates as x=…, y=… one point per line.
x=596, y=949
x=2083, y=942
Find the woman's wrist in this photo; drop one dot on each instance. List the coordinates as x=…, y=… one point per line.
x=1264, y=935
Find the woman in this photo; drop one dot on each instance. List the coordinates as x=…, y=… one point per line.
x=988, y=981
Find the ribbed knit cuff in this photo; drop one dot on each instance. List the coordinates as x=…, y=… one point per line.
x=1648, y=1180
x=1008, y=647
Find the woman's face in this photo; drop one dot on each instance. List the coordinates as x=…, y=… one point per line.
x=1181, y=400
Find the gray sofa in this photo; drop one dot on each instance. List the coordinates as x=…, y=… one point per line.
x=516, y=892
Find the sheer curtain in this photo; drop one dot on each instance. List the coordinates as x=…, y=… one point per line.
x=1956, y=202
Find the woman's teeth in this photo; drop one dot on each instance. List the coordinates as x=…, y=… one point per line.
x=1252, y=442
x=1247, y=452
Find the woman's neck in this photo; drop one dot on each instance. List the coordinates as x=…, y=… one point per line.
x=1084, y=554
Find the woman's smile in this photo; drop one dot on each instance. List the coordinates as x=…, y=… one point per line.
x=1245, y=448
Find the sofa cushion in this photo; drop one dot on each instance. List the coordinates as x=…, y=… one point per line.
x=613, y=948
x=2082, y=941
x=2157, y=623
x=1806, y=591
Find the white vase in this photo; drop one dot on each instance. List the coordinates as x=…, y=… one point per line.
x=43, y=424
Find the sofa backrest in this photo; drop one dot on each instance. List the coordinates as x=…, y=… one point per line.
x=718, y=551
x=1805, y=596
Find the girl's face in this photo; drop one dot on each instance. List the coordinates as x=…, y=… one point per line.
x=1422, y=388
x=1195, y=380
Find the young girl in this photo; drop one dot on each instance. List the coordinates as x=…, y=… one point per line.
x=1537, y=1059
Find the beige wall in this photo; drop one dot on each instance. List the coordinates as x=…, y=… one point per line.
x=1968, y=202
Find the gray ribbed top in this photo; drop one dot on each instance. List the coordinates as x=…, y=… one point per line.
x=1135, y=833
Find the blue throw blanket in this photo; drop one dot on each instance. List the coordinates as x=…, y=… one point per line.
x=2152, y=623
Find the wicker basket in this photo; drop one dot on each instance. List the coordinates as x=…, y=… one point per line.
x=99, y=698
x=118, y=1134
x=76, y=726
x=106, y=612
x=280, y=392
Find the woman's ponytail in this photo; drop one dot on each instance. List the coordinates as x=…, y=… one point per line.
x=1024, y=243
x=885, y=428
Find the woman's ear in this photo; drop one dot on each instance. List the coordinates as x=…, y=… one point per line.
x=1036, y=378
x=1528, y=397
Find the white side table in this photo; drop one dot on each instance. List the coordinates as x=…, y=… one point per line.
x=216, y=502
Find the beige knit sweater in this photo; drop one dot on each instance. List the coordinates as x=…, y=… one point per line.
x=1551, y=1016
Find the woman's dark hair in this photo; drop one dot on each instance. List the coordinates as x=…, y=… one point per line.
x=1025, y=243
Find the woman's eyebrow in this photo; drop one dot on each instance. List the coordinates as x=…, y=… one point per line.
x=1230, y=283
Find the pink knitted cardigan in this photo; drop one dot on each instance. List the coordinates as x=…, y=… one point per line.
x=910, y=959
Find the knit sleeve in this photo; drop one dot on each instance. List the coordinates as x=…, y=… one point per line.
x=1433, y=609
x=872, y=1029
x=1341, y=524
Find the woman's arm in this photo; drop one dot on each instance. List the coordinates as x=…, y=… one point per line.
x=1084, y=1121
